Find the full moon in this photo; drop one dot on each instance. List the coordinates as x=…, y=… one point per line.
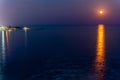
x=101, y=12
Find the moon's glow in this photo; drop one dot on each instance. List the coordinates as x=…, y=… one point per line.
x=101, y=12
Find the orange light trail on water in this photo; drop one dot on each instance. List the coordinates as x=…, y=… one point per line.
x=100, y=53
x=7, y=36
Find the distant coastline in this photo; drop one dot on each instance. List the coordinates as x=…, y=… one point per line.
x=13, y=28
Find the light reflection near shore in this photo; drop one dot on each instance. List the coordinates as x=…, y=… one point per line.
x=7, y=39
x=25, y=30
x=2, y=56
x=100, y=54
x=4, y=48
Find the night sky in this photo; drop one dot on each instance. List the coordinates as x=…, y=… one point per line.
x=30, y=12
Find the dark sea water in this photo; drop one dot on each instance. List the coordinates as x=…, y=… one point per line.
x=61, y=53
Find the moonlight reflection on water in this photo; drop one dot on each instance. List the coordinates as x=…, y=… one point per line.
x=100, y=54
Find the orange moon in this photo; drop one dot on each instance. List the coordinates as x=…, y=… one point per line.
x=101, y=12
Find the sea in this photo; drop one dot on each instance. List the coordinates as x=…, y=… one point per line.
x=60, y=53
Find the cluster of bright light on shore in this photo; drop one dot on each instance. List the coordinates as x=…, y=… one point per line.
x=25, y=28
x=2, y=28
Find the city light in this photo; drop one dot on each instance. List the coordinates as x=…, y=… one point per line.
x=25, y=28
x=2, y=28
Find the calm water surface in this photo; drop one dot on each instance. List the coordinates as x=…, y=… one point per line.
x=61, y=53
